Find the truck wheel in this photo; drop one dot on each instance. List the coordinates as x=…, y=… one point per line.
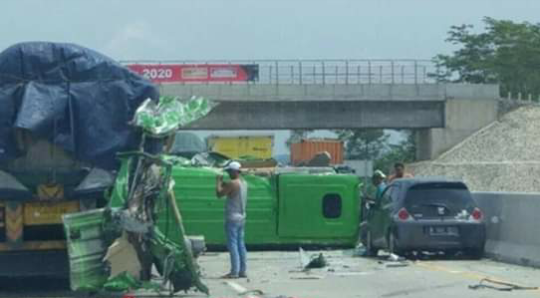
x=370, y=249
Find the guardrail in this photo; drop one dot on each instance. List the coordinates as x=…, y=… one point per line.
x=320, y=72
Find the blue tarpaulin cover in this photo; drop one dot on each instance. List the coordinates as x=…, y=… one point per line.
x=72, y=96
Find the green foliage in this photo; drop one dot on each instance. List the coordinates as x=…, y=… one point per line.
x=366, y=144
x=296, y=136
x=372, y=144
x=506, y=53
x=404, y=152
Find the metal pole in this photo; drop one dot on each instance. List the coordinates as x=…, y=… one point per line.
x=415, y=72
x=337, y=75
x=346, y=72
x=380, y=74
x=292, y=74
x=369, y=72
x=392, y=71
x=323, y=73
x=300, y=71
x=277, y=72
x=402, y=74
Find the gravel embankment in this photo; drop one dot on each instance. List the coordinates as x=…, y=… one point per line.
x=504, y=156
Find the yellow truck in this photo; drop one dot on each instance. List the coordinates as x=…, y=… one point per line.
x=243, y=146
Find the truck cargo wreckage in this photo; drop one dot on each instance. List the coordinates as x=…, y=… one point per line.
x=117, y=248
x=81, y=143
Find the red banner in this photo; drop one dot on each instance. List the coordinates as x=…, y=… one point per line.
x=173, y=73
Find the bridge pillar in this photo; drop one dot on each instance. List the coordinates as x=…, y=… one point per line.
x=467, y=110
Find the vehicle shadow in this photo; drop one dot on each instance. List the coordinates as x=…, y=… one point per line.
x=38, y=287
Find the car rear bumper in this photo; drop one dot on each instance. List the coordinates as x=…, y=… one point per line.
x=416, y=236
x=53, y=263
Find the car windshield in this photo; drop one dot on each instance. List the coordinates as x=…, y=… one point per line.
x=438, y=200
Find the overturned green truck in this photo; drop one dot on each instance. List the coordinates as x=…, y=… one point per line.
x=286, y=206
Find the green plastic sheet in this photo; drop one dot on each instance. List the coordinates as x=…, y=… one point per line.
x=169, y=114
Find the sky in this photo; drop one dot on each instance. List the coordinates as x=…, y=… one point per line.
x=253, y=29
x=165, y=30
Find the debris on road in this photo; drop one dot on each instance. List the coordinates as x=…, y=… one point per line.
x=307, y=277
x=395, y=258
x=394, y=261
x=317, y=262
x=487, y=283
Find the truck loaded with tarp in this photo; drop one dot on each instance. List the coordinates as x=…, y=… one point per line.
x=80, y=137
x=64, y=114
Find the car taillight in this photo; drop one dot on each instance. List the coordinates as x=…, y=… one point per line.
x=477, y=214
x=403, y=214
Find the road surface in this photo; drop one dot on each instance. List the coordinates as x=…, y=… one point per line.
x=277, y=273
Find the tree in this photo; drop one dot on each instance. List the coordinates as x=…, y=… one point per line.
x=366, y=144
x=404, y=152
x=296, y=136
x=506, y=53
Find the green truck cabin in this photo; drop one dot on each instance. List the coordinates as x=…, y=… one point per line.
x=295, y=208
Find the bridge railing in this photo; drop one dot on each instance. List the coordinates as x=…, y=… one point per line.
x=320, y=72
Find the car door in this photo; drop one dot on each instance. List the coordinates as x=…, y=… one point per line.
x=379, y=214
x=388, y=208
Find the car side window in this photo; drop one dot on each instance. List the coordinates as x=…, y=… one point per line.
x=394, y=196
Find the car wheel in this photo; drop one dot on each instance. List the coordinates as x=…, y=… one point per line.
x=370, y=249
x=392, y=244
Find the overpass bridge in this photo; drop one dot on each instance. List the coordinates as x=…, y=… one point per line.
x=345, y=94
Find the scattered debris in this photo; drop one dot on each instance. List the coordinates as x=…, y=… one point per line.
x=394, y=261
x=304, y=260
x=396, y=265
x=317, y=262
x=307, y=277
x=487, y=283
x=395, y=258
x=122, y=257
x=241, y=290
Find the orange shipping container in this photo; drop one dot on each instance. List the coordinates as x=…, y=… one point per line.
x=307, y=149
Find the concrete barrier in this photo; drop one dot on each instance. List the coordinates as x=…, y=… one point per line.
x=513, y=226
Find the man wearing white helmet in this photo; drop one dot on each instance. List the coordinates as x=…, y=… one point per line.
x=235, y=217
